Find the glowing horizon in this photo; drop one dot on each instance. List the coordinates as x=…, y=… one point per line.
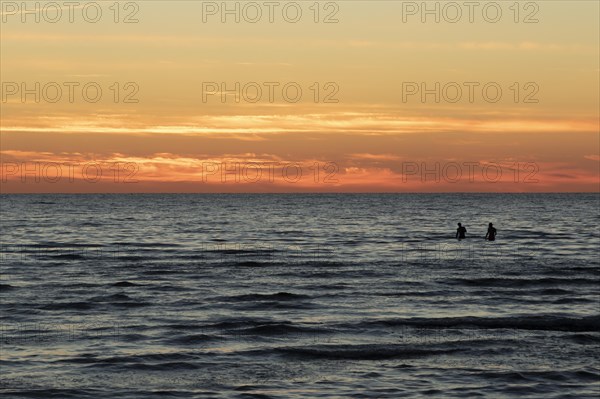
x=381, y=92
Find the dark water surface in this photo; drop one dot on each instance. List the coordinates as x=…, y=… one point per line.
x=299, y=296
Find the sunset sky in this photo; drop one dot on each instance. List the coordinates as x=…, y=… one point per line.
x=363, y=131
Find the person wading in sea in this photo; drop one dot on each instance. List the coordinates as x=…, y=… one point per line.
x=460, y=232
x=491, y=233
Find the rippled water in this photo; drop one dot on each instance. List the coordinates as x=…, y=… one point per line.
x=290, y=296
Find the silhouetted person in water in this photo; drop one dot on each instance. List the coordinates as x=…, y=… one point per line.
x=460, y=232
x=491, y=234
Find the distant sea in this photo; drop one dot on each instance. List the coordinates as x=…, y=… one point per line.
x=299, y=296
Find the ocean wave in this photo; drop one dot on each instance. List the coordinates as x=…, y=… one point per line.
x=566, y=301
x=545, y=323
x=282, y=329
x=92, y=358
x=168, y=366
x=429, y=294
x=68, y=306
x=274, y=305
x=146, y=244
x=46, y=393
x=125, y=284
x=241, y=322
x=111, y=298
x=58, y=245
x=279, y=296
x=362, y=352
x=192, y=339
x=249, y=263
x=519, y=282
x=118, y=300
x=66, y=256
x=537, y=376
x=129, y=304
x=584, y=339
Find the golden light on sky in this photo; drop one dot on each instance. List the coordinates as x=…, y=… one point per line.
x=338, y=96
